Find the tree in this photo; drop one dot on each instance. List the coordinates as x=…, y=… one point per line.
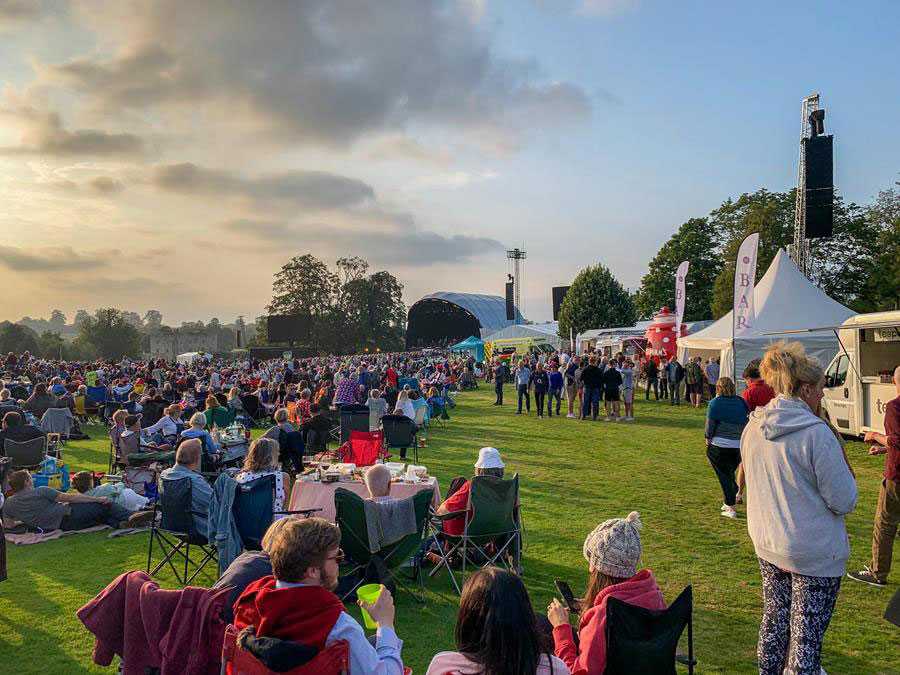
x=110, y=334
x=57, y=321
x=697, y=242
x=153, y=319
x=51, y=345
x=595, y=299
x=305, y=286
x=881, y=290
x=80, y=317
x=17, y=339
x=133, y=319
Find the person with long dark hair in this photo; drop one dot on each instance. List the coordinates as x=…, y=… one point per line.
x=497, y=631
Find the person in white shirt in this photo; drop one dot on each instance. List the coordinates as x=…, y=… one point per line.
x=404, y=405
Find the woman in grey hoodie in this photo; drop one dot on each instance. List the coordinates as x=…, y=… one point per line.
x=799, y=488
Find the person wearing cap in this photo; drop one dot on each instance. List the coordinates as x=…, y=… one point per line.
x=488, y=464
x=613, y=551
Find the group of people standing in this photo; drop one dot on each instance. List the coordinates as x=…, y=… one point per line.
x=666, y=375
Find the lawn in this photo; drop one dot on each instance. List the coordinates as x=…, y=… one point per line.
x=573, y=475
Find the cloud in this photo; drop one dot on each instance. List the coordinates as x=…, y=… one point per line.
x=404, y=247
x=606, y=7
x=18, y=11
x=106, y=185
x=453, y=180
x=398, y=147
x=322, y=71
x=310, y=189
x=43, y=134
x=51, y=260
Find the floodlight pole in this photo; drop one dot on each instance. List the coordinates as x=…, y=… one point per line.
x=799, y=250
x=517, y=256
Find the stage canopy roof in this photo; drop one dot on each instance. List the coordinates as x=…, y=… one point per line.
x=446, y=317
x=542, y=331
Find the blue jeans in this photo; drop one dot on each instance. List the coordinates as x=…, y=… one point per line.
x=590, y=402
x=523, y=391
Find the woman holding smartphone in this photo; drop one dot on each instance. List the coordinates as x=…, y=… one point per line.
x=613, y=551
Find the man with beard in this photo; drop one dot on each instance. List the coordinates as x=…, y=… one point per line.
x=296, y=603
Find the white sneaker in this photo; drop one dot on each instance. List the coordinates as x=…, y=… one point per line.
x=729, y=512
x=571, y=416
x=723, y=507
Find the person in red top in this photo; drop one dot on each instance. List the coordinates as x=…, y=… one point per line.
x=613, y=551
x=488, y=464
x=887, y=513
x=757, y=393
x=391, y=375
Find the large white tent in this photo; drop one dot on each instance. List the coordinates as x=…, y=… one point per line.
x=784, y=300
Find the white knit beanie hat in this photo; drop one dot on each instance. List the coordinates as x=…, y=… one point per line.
x=614, y=547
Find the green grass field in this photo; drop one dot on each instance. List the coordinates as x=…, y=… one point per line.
x=573, y=475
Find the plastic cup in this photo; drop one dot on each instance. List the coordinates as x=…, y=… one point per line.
x=368, y=593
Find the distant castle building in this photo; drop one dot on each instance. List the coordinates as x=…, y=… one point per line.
x=167, y=343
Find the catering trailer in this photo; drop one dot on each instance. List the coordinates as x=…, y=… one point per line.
x=858, y=381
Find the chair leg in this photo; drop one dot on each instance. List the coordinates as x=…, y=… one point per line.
x=691, y=643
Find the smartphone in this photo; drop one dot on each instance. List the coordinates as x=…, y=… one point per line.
x=568, y=597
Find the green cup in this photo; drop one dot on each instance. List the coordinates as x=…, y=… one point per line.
x=368, y=593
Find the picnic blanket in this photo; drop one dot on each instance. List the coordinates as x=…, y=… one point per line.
x=28, y=538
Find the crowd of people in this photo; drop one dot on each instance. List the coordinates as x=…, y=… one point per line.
x=768, y=447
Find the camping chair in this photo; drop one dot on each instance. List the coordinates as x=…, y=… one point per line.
x=57, y=421
x=237, y=658
x=351, y=518
x=642, y=640
x=215, y=417
x=353, y=418
x=494, y=505
x=176, y=532
x=253, y=513
x=25, y=454
x=364, y=448
x=255, y=410
x=400, y=432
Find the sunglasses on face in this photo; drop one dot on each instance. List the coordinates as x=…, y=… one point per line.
x=337, y=557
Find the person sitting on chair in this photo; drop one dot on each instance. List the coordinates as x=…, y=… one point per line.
x=297, y=602
x=262, y=460
x=613, y=551
x=289, y=440
x=47, y=509
x=378, y=483
x=198, y=430
x=166, y=429
x=497, y=631
x=316, y=429
x=489, y=464
x=404, y=405
x=16, y=430
x=216, y=414
x=187, y=465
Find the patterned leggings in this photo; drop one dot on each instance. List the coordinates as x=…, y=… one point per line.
x=796, y=613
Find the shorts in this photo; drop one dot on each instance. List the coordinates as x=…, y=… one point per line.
x=694, y=388
x=628, y=395
x=611, y=395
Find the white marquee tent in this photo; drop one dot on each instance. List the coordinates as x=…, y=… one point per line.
x=784, y=300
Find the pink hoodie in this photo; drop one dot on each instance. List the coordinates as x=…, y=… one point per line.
x=640, y=590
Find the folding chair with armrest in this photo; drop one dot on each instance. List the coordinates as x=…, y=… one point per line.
x=400, y=432
x=177, y=531
x=365, y=448
x=253, y=510
x=351, y=518
x=642, y=640
x=25, y=454
x=238, y=659
x=492, y=535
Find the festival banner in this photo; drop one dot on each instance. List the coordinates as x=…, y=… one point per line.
x=744, y=315
x=680, y=297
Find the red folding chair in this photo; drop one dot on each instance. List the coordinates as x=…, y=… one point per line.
x=364, y=448
x=333, y=660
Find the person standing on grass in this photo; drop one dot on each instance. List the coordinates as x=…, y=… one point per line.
x=523, y=386
x=674, y=374
x=712, y=376
x=592, y=379
x=887, y=513
x=612, y=380
x=541, y=383
x=501, y=374
x=726, y=418
x=663, y=378
x=651, y=372
x=799, y=489
x=555, y=391
x=693, y=377
x=628, y=372
x=571, y=385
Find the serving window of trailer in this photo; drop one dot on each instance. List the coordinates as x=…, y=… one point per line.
x=879, y=352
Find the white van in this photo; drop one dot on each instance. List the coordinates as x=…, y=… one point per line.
x=858, y=381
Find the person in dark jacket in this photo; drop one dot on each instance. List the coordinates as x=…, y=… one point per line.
x=612, y=380
x=675, y=373
x=16, y=430
x=651, y=372
x=726, y=418
x=541, y=383
x=592, y=378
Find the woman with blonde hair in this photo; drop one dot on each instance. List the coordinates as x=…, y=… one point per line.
x=726, y=418
x=799, y=488
x=262, y=460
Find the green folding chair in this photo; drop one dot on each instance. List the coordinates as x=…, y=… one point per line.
x=351, y=518
x=493, y=535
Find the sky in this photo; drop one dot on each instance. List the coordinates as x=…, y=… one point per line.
x=174, y=155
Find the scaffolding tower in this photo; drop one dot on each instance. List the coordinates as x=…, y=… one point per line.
x=799, y=250
x=517, y=256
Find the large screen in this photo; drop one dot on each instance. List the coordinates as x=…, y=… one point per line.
x=288, y=328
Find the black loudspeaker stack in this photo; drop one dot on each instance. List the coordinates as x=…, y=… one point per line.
x=510, y=304
x=819, y=162
x=559, y=294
